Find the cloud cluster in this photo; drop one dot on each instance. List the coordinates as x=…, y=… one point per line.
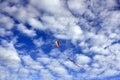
x=91, y=26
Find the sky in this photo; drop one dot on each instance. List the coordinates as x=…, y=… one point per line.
x=88, y=32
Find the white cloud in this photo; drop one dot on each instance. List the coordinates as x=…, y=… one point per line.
x=54, y=66
x=77, y=6
x=29, y=62
x=72, y=32
x=9, y=56
x=52, y=23
x=58, y=69
x=36, y=24
x=23, y=72
x=115, y=48
x=3, y=73
x=110, y=72
x=44, y=60
x=38, y=42
x=55, y=52
x=28, y=32
x=46, y=75
x=105, y=64
x=6, y=22
x=82, y=59
x=71, y=65
x=99, y=50
x=4, y=32
x=55, y=7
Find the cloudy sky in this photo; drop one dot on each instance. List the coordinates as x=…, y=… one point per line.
x=88, y=32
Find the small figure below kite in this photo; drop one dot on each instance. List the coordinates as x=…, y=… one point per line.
x=57, y=43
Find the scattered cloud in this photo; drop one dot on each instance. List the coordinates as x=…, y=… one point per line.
x=24, y=30
x=91, y=28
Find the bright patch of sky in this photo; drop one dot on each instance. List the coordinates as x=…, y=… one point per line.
x=88, y=32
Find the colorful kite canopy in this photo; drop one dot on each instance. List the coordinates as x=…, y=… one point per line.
x=57, y=43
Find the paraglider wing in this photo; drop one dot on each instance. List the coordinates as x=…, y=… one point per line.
x=57, y=43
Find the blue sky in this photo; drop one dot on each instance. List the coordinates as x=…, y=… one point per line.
x=88, y=32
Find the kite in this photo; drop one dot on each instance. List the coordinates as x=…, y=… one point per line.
x=57, y=43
